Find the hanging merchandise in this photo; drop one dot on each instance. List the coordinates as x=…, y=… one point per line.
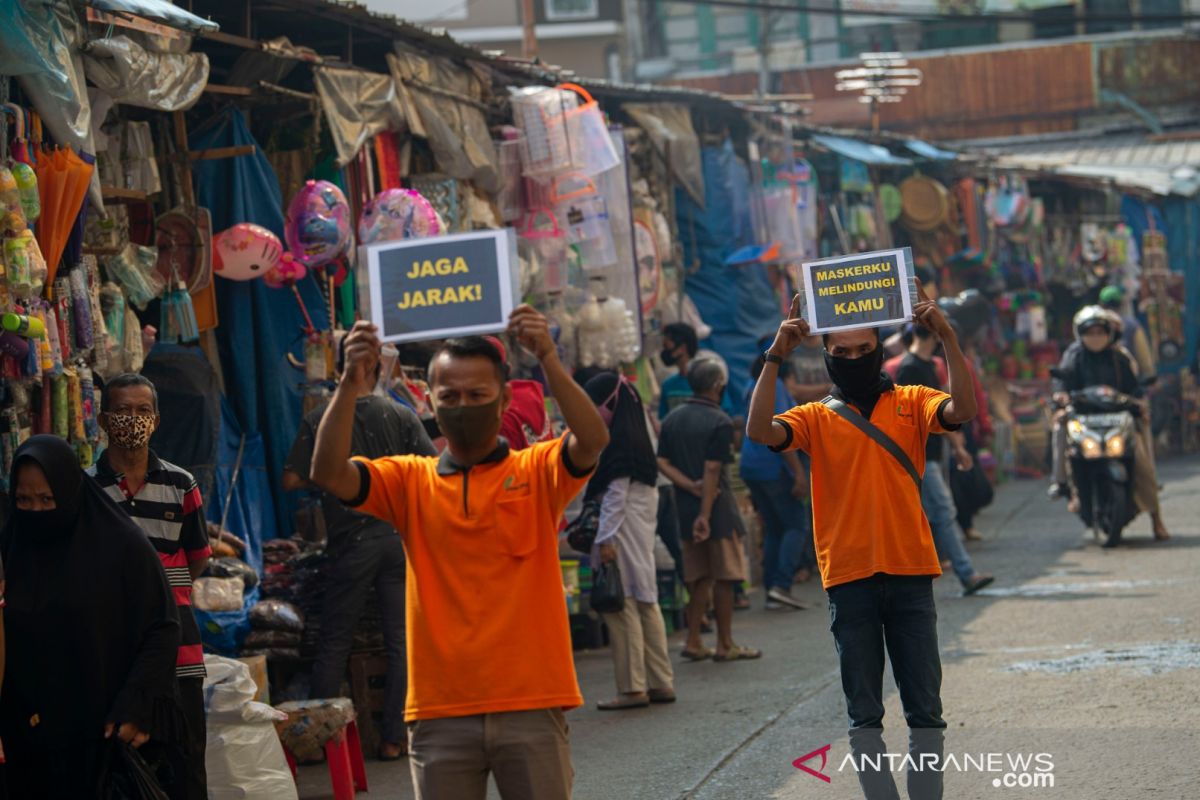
x=134, y=269
x=548, y=245
x=583, y=210
x=396, y=214
x=318, y=227
x=245, y=252
x=62, y=179
x=563, y=326
x=509, y=198
x=925, y=204
x=546, y=146
x=649, y=265
x=607, y=331
x=588, y=134
x=1008, y=206
x=287, y=272
x=12, y=214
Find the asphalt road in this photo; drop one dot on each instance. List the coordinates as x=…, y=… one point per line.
x=1088, y=660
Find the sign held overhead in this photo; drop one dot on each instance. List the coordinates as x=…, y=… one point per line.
x=865, y=290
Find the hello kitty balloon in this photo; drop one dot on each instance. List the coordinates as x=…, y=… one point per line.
x=396, y=214
x=245, y=252
x=318, y=224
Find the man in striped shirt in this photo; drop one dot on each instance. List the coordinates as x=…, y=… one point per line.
x=165, y=502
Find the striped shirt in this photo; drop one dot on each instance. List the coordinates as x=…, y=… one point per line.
x=168, y=508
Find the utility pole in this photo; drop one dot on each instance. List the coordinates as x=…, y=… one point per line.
x=529, y=31
x=764, y=53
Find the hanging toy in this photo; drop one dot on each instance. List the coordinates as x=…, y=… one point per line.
x=27, y=186
x=318, y=224
x=245, y=252
x=396, y=214
x=12, y=215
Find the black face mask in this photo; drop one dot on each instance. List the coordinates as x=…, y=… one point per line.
x=668, y=357
x=45, y=526
x=858, y=378
x=470, y=427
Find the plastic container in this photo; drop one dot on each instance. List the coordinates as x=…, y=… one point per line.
x=18, y=267
x=588, y=134
x=23, y=325
x=27, y=186
x=388, y=356
x=549, y=248
x=585, y=213
x=546, y=146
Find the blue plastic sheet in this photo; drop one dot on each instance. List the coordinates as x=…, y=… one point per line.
x=739, y=303
x=250, y=517
x=259, y=325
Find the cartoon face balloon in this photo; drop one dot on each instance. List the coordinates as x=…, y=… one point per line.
x=318, y=224
x=245, y=252
x=396, y=214
x=286, y=273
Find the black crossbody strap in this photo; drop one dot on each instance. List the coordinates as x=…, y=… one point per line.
x=881, y=438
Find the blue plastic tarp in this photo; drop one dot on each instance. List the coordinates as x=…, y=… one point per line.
x=259, y=326
x=927, y=150
x=739, y=302
x=159, y=11
x=251, y=517
x=866, y=152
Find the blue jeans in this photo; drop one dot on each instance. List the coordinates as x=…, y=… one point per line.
x=896, y=612
x=787, y=531
x=943, y=521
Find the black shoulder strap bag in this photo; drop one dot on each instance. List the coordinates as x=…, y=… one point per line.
x=882, y=439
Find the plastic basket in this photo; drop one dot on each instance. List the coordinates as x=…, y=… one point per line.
x=585, y=214
x=588, y=133
x=546, y=147
x=549, y=248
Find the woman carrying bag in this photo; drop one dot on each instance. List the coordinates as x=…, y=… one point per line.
x=91, y=628
x=624, y=487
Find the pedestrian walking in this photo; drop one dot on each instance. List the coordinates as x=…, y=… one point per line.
x=490, y=663
x=694, y=449
x=364, y=552
x=624, y=486
x=778, y=484
x=874, y=546
x=165, y=502
x=918, y=368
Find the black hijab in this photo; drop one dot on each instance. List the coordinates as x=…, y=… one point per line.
x=629, y=453
x=91, y=625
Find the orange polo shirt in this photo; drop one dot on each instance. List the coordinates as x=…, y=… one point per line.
x=487, y=620
x=867, y=514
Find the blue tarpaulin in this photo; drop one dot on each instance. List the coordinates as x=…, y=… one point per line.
x=927, y=150
x=259, y=325
x=159, y=11
x=739, y=302
x=865, y=152
x=250, y=516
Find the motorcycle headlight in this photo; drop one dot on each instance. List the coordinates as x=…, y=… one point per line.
x=1115, y=446
x=1075, y=428
x=1091, y=447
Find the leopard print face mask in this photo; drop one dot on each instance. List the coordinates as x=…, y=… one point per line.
x=128, y=431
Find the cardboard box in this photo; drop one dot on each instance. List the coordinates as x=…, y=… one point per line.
x=258, y=671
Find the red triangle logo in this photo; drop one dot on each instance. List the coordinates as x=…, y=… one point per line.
x=819, y=772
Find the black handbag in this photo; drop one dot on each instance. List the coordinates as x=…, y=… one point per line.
x=971, y=488
x=125, y=775
x=608, y=594
x=581, y=532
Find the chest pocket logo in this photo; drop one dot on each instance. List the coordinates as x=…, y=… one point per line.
x=904, y=414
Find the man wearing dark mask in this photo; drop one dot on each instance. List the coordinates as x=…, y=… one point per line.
x=874, y=547
x=165, y=502
x=365, y=551
x=490, y=662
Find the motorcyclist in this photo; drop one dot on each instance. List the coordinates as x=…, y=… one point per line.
x=1096, y=359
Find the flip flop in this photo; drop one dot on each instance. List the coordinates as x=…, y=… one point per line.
x=738, y=653
x=702, y=655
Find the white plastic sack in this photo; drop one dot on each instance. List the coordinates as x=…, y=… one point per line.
x=244, y=759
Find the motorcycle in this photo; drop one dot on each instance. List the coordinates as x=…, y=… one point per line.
x=1101, y=429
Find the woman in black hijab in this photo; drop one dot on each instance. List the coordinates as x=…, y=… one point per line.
x=623, y=484
x=92, y=630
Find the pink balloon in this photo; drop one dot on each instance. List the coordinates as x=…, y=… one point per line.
x=395, y=214
x=318, y=224
x=287, y=272
x=245, y=252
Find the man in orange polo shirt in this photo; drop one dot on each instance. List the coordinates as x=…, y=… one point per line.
x=874, y=547
x=489, y=647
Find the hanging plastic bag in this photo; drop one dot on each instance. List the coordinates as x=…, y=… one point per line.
x=546, y=146
x=608, y=594
x=549, y=248
x=277, y=615
x=585, y=213
x=218, y=594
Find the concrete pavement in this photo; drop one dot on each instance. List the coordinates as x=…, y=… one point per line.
x=1084, y=658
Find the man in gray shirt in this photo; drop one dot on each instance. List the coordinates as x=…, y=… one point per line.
x=364, y=551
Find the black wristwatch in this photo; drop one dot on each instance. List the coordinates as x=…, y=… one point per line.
x=771, y=358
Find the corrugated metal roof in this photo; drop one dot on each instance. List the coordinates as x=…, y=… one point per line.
x=1163, y=166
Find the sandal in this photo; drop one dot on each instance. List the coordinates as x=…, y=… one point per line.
x=624, y=701
x=662, y=695
x=738, y=653
x=703, y=654
x=403, y=751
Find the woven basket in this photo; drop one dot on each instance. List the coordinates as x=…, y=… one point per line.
x=926, y=204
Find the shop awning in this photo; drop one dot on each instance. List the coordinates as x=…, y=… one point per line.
x=865, y=152
x=157, y=10
x=1163, y=166
x=927, y=150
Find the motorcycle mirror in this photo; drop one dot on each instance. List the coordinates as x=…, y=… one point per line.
x=1148, y=381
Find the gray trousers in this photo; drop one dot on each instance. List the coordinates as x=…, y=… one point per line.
x=527, y=752
x=368, y=558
